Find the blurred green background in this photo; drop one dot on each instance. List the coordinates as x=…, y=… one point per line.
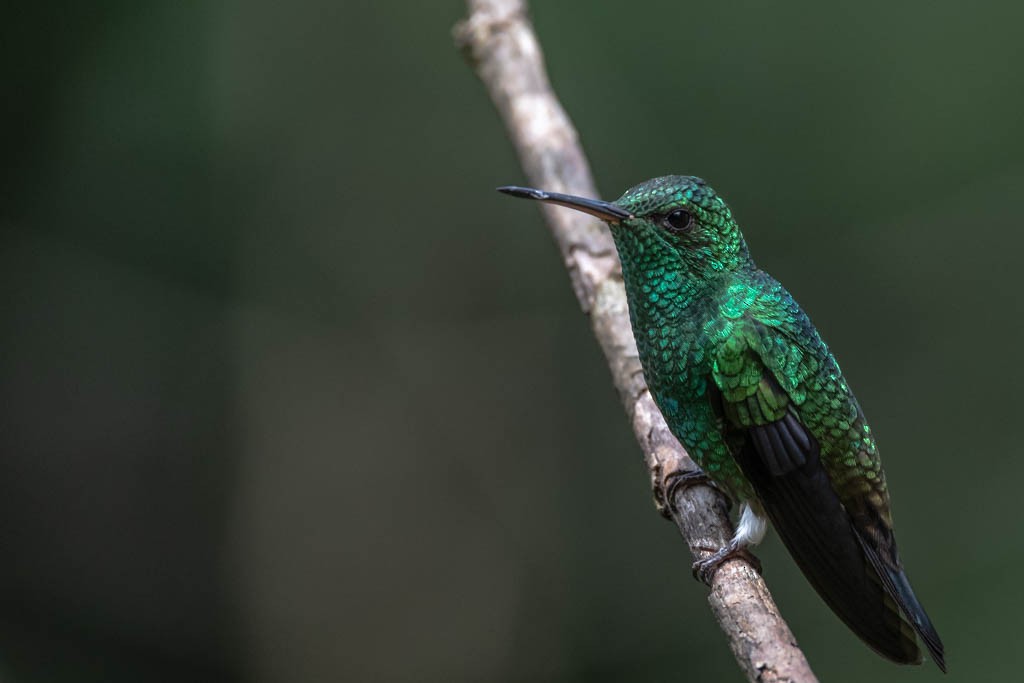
x=291, y=394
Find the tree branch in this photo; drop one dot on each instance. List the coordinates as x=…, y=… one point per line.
x=499, y=43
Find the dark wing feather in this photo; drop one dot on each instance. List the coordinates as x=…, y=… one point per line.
x=782, y=462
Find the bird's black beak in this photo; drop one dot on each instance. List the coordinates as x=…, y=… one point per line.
x=606, y=211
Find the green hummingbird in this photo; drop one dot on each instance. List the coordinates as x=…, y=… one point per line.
x=746, y=383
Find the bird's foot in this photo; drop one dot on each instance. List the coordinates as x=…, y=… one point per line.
x=704, y=570
x=680, y=480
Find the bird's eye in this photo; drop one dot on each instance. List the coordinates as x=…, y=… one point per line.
x=679, y=221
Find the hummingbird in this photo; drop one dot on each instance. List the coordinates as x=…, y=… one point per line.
x=749, y=388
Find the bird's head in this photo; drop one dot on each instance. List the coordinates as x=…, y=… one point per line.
x=673, y=224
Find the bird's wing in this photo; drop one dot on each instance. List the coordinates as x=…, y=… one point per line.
x=779, y=417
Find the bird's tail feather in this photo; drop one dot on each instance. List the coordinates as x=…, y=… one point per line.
x=898, y=587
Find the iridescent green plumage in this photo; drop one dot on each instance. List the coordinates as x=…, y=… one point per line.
x=746, y=383
x=705, y=317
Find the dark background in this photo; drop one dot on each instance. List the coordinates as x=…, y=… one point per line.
x=289, y=393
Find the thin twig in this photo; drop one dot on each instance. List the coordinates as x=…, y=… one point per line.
x=498, y=40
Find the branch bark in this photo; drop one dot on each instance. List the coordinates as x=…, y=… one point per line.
x=498, y=41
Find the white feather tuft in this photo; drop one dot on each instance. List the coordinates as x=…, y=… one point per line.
x=751, y=529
